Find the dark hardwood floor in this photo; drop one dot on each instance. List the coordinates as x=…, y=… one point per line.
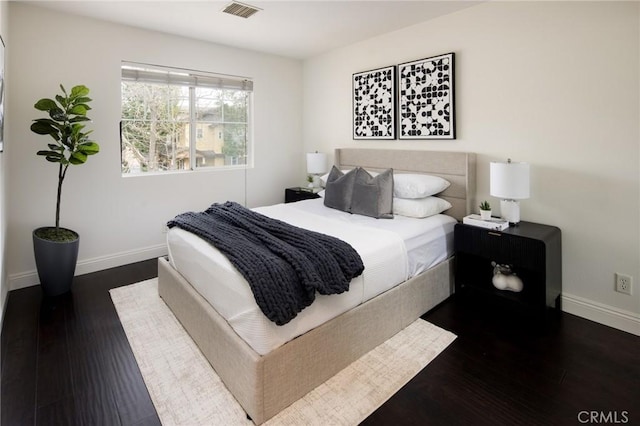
x=67, y=362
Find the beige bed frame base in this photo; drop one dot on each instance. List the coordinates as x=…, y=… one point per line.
x=264, y=385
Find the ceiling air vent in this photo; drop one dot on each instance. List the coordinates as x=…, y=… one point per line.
x=241, y=10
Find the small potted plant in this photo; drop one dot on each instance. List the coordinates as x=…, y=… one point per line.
x=56, y=248
x=485, y=210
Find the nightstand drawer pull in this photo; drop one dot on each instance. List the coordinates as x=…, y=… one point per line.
x=495, y=234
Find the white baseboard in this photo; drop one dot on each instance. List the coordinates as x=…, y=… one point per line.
x=603, y=314
x=594, y=311
x=30, y=278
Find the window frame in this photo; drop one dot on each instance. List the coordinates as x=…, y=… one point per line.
x=191, y=79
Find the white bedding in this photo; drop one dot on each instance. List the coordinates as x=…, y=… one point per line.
x=428, y=241
x=392, y=251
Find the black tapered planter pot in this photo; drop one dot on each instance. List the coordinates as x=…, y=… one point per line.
x=56, y=263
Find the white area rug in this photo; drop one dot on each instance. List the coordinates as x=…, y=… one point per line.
x=186, y=390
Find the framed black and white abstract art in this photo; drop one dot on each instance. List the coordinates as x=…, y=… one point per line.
x=426, y=98
x=374, y=107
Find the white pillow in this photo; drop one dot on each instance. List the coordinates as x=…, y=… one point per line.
x=421, y=207
x=406, y=185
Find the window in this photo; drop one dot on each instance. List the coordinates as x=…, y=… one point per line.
x=183, y=120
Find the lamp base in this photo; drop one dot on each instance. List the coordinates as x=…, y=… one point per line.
x=510, y=210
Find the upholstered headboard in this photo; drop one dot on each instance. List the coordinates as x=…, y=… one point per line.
x=459, y=168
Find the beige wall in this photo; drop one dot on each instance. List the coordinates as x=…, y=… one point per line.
x=4, y=284
x=120, y=220
x=554, y=84
x=551, y=83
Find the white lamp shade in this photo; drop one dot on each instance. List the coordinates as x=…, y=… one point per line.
x=316, y=163
x=509, y=181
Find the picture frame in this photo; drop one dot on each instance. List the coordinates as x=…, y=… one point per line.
x=426, y=98
x=374, y=104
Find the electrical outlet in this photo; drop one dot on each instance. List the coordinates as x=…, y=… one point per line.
x=623, y=283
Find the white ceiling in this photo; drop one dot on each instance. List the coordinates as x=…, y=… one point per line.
x=296, y=28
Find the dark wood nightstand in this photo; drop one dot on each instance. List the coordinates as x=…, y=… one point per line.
x=532, y=250
x=292, y=195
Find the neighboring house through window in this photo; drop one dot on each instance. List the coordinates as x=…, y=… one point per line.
x=175, y=119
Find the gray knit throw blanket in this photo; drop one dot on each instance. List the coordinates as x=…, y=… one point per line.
x=284, y=265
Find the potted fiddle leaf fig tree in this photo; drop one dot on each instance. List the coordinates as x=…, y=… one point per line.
x=56, y=248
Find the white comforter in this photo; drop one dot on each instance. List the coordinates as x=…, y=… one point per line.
x=383, y=253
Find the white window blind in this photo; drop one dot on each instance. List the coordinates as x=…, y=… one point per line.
x=146, y=73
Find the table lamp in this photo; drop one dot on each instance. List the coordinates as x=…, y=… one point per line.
x=510, y=182
x=316, y=166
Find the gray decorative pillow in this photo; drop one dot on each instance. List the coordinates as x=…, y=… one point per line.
x=373, y=196
x=338, y=189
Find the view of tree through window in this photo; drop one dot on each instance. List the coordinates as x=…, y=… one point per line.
x=182, y=126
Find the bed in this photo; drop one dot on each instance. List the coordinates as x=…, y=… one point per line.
x=266, y=379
